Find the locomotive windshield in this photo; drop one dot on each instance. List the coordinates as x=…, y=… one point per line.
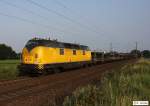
x=31, y=43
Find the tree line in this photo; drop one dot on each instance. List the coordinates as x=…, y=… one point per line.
x=6, y=52
x=144, y=53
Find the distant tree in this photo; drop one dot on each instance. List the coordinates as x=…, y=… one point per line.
x=146, y=53
x=7, y=52
x=135, y=52
x=18, y=56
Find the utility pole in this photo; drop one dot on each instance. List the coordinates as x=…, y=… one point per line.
x=136, y=48
x=136, y=45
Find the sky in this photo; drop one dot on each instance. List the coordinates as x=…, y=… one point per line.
x=96, y=23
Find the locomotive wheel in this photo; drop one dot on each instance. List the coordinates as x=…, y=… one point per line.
x=49, y=71
x=57, y=70
x=22, y=72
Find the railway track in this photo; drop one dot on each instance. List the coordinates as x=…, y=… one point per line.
x=52, y=88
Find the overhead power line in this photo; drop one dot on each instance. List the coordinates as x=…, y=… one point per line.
x=18, y=18
x=24, y=9
x=61, y=4
x=32, y=22
x=33, y=13
x=74, y=12
x=61, y=15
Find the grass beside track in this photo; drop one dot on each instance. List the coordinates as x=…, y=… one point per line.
x=117, y=88
x=8, y=69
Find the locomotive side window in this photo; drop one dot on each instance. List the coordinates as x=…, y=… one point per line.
x=83, y=52
x=74, y=52
x=61, y=51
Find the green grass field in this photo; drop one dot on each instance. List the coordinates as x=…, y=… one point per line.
x=117, y=88
x=8, y=69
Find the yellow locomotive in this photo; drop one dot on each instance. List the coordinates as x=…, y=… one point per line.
x=43, y=55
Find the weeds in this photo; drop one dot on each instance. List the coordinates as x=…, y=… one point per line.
x=118, y=88
x=8, y=69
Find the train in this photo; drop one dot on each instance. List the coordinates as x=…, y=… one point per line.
x=45, y=55
x=40, y=56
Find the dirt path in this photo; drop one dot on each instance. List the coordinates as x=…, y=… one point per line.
x=50, y=90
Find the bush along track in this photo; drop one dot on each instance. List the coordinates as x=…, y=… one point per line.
x=116, y=88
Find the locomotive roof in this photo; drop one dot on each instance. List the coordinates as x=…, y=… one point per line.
x=55, y=43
